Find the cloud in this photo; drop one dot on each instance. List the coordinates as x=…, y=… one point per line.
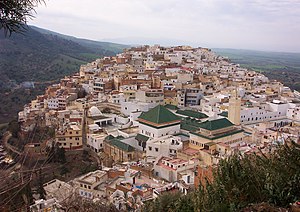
x=254, y=24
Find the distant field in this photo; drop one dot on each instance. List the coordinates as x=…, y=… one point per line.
x=281, y=66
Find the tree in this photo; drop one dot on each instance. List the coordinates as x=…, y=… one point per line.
x=14, y=128
x=14, y=14
x=243, y=181
x=56, y=154
x=64, y=170
x=40, y=189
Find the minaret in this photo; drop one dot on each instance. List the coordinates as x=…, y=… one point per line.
x=234, y=110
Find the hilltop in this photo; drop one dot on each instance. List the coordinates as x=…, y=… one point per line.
x=281, y=66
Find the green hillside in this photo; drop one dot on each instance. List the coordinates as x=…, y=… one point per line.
x=41, y=58
x=281, y=66
x=91, y=44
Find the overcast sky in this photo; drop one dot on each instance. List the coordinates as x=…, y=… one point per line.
x=271, y=25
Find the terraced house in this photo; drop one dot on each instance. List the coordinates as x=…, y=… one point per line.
x=118, y=150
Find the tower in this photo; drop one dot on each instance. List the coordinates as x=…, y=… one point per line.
x=234, y=110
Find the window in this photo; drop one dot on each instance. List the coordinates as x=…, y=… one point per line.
x=89, y=187
x=150, y=148
x=156, y=149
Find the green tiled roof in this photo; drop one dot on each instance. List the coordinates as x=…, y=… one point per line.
x=120, y=137
x=216, y=124
x=171, y=107
x=121, y=145
x=192, y=113
x=159, y=115
x=190, y=124
x=109, y=137
x=141, y=137
x=218, y=136
x=224, y=114
x=188, y=127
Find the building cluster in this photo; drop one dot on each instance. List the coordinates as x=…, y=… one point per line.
x=175, y=111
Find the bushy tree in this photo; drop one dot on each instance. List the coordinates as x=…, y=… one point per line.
x=14, y=14
x=14, y=128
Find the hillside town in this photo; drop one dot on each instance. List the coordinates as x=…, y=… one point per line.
x=158, y=120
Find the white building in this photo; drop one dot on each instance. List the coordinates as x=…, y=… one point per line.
x=265, y=112
x=52, y=103
x=164, y=146
x=168, y=168
x=294, y=113
x=95, y=141
x=158, y=122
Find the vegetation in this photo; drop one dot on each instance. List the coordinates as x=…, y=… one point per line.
x=41, y=57
x=242, y=181
x=14, y=128
x=14, y=14
x=56, y=154
x=280, y=66
x=40, y=188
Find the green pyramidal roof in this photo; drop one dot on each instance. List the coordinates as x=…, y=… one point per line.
x=159, y=115
x=216, y=124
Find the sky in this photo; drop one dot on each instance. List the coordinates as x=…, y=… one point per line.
x=268, y=25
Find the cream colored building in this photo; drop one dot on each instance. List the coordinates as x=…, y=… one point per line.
x=217, y=131
x=234, y=110
x=70, y=138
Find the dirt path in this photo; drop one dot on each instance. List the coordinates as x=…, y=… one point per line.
x=7, y=135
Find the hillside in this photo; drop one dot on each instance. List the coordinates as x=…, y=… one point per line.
x=42, y=58
x=281, y=66
x=93, y=45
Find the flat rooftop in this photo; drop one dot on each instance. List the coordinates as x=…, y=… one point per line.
x=91, y=177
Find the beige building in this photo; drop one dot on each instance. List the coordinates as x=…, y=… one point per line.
x=88, y=186
x=216, y=139
x=70, y=138
x=118, y=150
x=234, y=110
x=216, y=131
